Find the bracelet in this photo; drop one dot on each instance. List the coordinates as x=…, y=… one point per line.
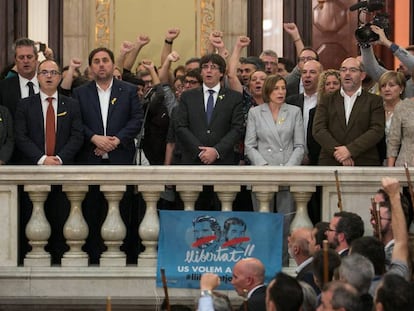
x=168, y=42
x=205, y=293
x=298, y=39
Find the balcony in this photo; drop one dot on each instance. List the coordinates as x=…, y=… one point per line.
x=76, y=281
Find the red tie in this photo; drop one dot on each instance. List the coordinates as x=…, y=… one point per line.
x=50, y=129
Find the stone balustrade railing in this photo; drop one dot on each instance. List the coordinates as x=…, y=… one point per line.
x=357, y=186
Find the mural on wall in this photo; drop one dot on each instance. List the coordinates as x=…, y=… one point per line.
x=103, y=18
x=207, y=23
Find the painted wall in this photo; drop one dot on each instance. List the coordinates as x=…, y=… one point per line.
x=153, y=18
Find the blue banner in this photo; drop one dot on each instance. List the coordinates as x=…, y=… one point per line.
x=192, y=243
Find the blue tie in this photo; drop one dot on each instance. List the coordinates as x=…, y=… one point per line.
x=210, y=105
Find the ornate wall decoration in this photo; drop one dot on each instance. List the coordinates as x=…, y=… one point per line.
x=103, y=21
x=207, y=22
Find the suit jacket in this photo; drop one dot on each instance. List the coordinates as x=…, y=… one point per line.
x=275, y=143
x=306, y=275
x=6, y=134
x=223, y=132
x=124, y=121
x=257, y=301
x=30, y=129
x=10, y=93
x=313, y=147
x=364, y=130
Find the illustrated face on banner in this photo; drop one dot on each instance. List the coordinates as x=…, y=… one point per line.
x=235, y=231
x=203, y=230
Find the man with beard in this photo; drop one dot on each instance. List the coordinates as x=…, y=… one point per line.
x=344, y=227
x=351, y=122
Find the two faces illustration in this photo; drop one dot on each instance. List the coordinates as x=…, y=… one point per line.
x=209, y=236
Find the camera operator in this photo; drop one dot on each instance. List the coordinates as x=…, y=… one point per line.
x=375, y=70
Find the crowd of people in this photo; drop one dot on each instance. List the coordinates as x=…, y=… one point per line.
x=219, y=109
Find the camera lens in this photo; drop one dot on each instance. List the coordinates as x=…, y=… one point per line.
x=364, y=34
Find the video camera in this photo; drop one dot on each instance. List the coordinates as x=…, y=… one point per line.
x=364, y=34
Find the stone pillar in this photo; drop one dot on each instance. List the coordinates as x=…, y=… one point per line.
x=76, y=229
x=264, y=195
x=113, y=229
x=38, y=229
x=226, y=194
x=302, y=196
x=189, y=195
x=150, y=225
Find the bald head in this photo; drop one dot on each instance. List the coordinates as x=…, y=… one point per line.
x=247, y=274
x=302, y=243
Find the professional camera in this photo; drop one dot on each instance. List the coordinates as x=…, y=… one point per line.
x=364, y=34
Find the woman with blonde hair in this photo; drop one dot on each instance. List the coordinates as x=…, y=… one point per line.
x=329, y=82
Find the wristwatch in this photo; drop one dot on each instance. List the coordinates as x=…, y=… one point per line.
x=206, y=292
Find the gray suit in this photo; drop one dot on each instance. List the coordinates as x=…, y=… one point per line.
x=275, y=143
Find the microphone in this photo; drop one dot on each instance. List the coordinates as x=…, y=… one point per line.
x=149, y=93
x=358, y=5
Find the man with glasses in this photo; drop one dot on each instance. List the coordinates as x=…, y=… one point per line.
x=270, y=60
x=294, y=79
x=38, y=141
x=343, y=228
x=384, y=230
x=349, y=124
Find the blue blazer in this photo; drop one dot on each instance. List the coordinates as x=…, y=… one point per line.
x=30, y=129
x=124, y=120
x=275, y=143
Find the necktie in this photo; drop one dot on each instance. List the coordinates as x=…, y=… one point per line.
x=31, y=89
x=210, y=105
x=50, y=129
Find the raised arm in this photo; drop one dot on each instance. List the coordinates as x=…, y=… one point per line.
x=164, y=72
x=399, y=226
x=130, y=59
x=149, y=65
x=170, y=36
x=293, y=31
x=126, y=47
x=67, y=81
x=234, y=82
x=217, y=44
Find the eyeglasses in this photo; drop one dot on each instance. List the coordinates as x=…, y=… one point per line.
x=49, y=72
x=192, y=82
x=212, y=67
x=306, y=58
x=330, y=230
x=270, y=63
x=350, y=69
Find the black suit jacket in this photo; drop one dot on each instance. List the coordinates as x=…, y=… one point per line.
x=306, y=275
x=10, y=93
x=6, y=134
x=124, y=120
x=30, y=129
x=313, y=147
x=257, y=301
x=223, y=132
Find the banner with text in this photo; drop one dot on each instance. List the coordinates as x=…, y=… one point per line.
x=192, y=243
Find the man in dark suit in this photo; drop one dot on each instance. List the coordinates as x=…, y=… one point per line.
x=302, y=246
x=111, y=113
x=349, y=123
x=35, y=146
x=211, y=141
x=248, y=281
x=112, y=117
x=25, y=82
x=30, y=120
x=306, y=101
